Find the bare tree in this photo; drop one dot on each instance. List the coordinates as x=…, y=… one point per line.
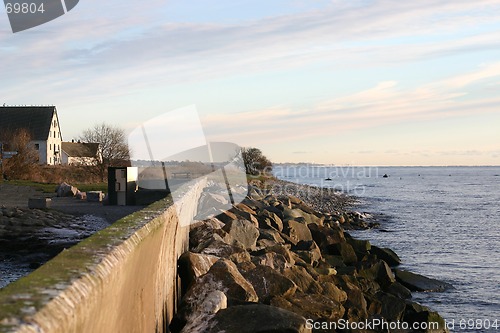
x=113, y=147
x=25, y=162
x=255, y=161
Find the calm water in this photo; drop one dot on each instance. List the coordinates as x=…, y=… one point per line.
x=443, y=222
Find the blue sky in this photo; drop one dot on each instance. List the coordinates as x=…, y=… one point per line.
x=343, y=82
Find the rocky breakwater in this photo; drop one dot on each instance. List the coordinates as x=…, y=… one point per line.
x=274, y=264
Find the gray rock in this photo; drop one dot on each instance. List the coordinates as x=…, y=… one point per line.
x=269, y=219
x=94, y=196
x=66, y=190
x=193, y=265
x=416, y=282
x=39, y=203
x=243, y=231
x=223, y=276
x=311, y=306
x=269, y=283
x=387, y=255
x=304, y=281
x=257, y=318
x=297, y=231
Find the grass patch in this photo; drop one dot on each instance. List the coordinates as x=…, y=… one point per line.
x=50, y=188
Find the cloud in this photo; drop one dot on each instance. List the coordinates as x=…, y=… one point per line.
x=384, y=104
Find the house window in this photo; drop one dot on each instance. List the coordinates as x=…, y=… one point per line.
x=54, y=134
x=50, y=146
x=50, y=160
x=37, y=146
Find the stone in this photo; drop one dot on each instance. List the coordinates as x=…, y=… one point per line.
x=39, y=203
x=378, y=272
x=271, y=234
x=356, y=305
x=311, y=306
x=297, y=231
x=193, y=265
x=416, y=282
x=304, y=281
x=256, y=318
x=416, y=313
x=392, y=308
x=326, y=237
x=243, y=231
x=269, y=283
x=94, y=196
x=221, y=249
x=223, y=276
x=81, y=195
x=225, y=216
x=269, y=219
x=346, y=251
x=387, y=255
x=247, y=216
x=208, y=201
x=332, y=291
x=66, y=190
x=244, y=208
x=398, y=290
x=308, y=251
x=273, y=260
x=198, y=321
x=361, y=247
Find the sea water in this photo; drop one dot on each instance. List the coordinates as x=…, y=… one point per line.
x=442, y=221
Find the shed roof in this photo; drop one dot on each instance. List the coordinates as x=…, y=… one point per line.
x=80, y=149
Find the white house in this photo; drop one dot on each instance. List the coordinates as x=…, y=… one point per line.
x=80, y=153
x=43, y=125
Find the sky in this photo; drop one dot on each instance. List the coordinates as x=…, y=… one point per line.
x=358, y=82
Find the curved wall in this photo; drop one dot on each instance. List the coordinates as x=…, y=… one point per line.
x=122, y=279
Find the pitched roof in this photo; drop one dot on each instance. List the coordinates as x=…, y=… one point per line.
x=77, y=149
x=36, y=119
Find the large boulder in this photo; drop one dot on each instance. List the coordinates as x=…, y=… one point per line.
x=378, y=272
x=416, y=282
x=268, y=219
x=256, y=318
x=243, y=231
x=304, y=281
x=345, y=250
x=223, y=276
x=198, y=321
x=95, y=196
x=269, y=283
x=209, y=201
x=193, y=265
x=221, y=249
x=387, y=255
x=297, y=231
x=416, y=313
x=66, y=190
x=308, y=251
x=311, y=306
x=325, y=237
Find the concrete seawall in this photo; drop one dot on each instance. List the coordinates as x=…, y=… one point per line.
x=122, y=279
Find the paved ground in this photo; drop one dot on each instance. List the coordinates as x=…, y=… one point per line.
x=17, y=196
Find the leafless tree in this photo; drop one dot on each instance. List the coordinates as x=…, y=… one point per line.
x=113, y=147
x=24, y=163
